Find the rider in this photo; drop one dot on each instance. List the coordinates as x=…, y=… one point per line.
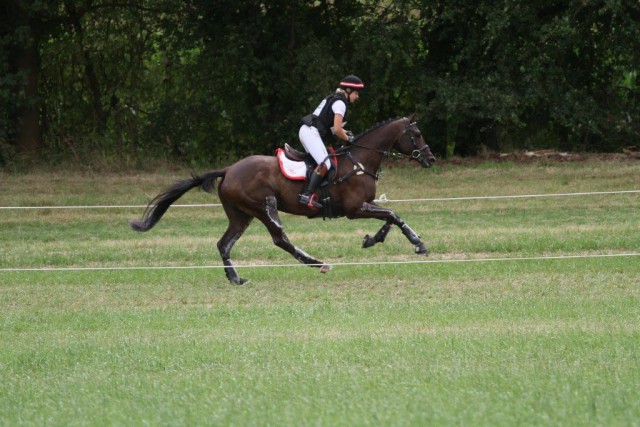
x=327, y=118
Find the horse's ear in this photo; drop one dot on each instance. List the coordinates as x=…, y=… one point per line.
x=411, y=117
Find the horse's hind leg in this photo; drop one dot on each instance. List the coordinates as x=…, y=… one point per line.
x=274, y=225
x=238, y=223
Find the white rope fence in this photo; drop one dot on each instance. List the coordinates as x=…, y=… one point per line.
x=340, y=264
x=383, y=199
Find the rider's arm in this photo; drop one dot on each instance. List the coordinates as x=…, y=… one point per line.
x=338, y=129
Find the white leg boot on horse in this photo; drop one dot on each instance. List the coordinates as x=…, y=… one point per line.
x=308, y=196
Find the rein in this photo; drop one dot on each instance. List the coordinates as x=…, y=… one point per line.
x=416, y=154
x=383, y=152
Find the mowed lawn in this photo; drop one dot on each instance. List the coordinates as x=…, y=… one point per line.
x=526, y=312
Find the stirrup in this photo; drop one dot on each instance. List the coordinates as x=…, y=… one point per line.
x=310, y=200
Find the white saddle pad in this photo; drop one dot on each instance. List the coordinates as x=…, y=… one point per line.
x=291, y=169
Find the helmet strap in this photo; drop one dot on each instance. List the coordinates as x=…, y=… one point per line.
x=348, y=92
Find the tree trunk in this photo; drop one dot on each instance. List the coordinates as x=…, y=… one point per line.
x=452, y=132
x=28, y=135
x=89, y=70
x=24, y=60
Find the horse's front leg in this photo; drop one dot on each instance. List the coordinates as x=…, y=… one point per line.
x=371, y=210
x=378, y=237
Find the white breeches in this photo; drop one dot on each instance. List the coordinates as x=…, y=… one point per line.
x=311, y=141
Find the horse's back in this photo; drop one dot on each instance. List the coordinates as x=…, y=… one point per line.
x=252, y=179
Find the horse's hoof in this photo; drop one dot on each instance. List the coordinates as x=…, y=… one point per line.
x=421, y=250
x=325, y=268
x=239, y=281
x=368, y=241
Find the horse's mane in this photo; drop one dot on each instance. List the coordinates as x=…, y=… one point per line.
x=376, y=126
x=347, y=147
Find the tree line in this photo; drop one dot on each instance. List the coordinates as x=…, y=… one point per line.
x=202, y=81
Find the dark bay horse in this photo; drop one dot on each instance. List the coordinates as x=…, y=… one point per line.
x=254, y=187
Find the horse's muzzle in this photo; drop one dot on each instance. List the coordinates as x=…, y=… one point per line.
x=424, y=158
x=426, y=162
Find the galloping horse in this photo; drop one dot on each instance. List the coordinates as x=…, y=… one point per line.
x=255, y=187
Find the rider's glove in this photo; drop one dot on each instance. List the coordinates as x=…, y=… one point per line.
x=350, y=136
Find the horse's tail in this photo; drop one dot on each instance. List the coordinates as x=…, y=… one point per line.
x=159, y=205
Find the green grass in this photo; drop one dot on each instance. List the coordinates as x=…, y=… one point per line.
x=530, y=342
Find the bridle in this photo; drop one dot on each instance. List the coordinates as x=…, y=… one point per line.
x=417, y=153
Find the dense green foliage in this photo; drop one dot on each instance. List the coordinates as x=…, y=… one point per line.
x=204, y=81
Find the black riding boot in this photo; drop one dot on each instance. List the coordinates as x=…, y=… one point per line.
x=308, y=196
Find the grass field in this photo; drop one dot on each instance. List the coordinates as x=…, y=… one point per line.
x=540, y=339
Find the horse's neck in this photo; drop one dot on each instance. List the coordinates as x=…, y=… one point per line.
x=373, y=146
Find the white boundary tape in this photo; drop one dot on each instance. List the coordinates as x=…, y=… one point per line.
x=103, y=207
x=382, y=199
x=342, y=264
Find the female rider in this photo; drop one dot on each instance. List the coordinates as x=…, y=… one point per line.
x=328, y=117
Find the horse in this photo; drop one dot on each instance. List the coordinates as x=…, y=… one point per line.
x=255, y=187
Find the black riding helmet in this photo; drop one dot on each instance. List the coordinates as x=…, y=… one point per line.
x=352, y=82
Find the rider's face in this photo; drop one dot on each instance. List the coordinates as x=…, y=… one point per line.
x=353, y=96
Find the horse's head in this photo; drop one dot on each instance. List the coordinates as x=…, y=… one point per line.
x=412, y=144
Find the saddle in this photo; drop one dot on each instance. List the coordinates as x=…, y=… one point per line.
x=299, y=156
x=298, y=165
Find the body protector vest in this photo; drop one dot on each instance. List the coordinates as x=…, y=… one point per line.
x=324, y=121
